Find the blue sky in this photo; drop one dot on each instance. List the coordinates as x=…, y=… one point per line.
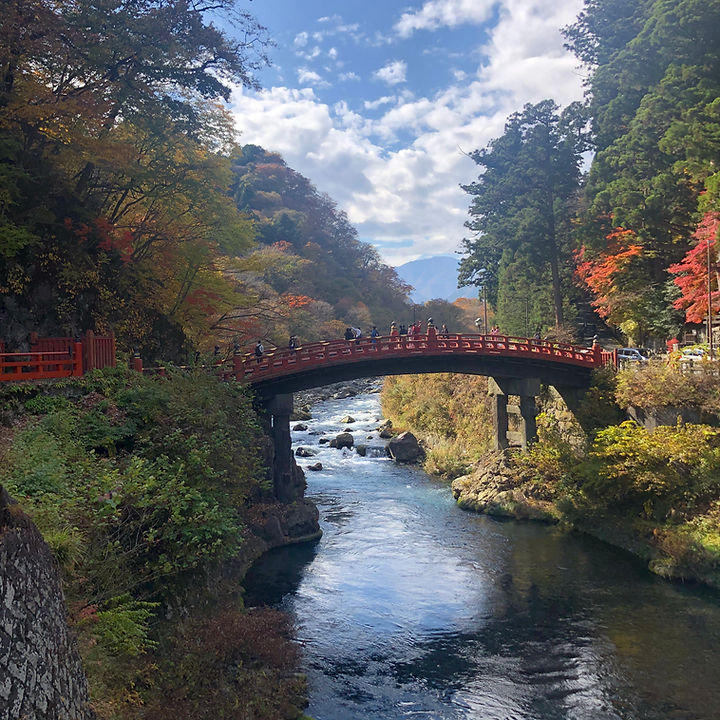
x=377, y=103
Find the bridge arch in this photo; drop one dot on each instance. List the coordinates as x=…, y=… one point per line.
x=516, y=367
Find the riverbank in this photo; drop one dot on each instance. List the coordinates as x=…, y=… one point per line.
x=152, y=495
x=655, y=494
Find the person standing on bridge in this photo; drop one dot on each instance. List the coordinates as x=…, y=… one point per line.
x=293, y=343
x=374, y=335
x=259, y=350
x=444, y=329
x=393, y=329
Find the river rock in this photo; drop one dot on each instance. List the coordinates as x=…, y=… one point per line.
x=347, y=420
x=343, y=440
x=385, y=430
x=302, y=413
x=315, y=466
x=300, y=426
x=361, y=450
x=345, y=393
x=404, y=448
x=305, y=452
x=323, y=441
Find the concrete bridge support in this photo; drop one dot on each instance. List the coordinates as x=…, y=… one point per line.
x=526, y=389
x=288, y=482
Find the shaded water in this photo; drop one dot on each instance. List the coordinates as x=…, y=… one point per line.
x=411, y=608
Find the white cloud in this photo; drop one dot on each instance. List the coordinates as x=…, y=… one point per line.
x=435, y=14
x=301, y=39
x=348, y=76
x=398, y=175
x=374, y=104
x=309, y=77
x=392, y=73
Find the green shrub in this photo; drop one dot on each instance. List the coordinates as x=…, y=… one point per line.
x=122, y=626
x=43, y=404
x=653, y=472
x=37, y=464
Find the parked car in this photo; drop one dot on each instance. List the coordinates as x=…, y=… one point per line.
x=694, y=354
x=626, y=355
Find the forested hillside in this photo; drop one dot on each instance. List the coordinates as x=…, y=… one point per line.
x=126, y=204
x=309, y=262
x=633, y=231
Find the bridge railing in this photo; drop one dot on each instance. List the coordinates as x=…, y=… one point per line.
x=251, y=368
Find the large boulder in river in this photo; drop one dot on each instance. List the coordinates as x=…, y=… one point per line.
x=343, y=440
x=315, y=466
x=404, y=448
x=361, y=450
x=305, y=452
x=347, y=420
x=300, y=427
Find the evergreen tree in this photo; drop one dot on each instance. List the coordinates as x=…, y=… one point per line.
x=520, y=213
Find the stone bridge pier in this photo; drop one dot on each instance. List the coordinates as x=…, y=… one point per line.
x=288, y=478
x=527, y=390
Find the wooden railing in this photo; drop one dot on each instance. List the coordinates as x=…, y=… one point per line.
x=251, y=368
x=42, y=365
x=65, y=357
x=54, y=357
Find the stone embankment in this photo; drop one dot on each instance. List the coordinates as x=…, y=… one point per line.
x=42, y=676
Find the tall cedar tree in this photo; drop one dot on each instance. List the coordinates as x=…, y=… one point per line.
x=522, y=204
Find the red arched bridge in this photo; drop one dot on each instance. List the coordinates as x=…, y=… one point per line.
x=321, y=363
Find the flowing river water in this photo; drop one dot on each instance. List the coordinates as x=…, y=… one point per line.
x=409, y=607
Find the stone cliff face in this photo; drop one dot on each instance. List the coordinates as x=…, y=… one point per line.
x=41, y=677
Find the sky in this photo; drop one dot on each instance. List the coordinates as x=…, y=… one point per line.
x=378, y=103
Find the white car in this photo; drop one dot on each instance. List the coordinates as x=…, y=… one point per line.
x=694, y=354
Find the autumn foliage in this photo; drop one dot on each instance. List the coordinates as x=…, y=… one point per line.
x=692, y=273
x=600, y=271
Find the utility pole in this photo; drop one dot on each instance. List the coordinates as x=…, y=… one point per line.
x=485, y=309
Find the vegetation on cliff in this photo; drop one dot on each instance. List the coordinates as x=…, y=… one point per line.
x=141, y=486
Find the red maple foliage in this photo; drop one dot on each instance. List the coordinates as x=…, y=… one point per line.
x=600, y=273
x=692, y=271
x=297, y=301
x=203, y=299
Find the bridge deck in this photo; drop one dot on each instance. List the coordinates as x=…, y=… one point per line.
x=314, y=356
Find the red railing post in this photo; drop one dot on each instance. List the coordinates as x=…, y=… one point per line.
x=113, y=353
x=89, y=342
x=77, y=360
x=136, y=362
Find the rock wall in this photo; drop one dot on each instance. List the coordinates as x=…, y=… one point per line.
x=41, y=677
x=496, y=488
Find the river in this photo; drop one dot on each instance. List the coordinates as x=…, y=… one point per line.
x=409, y=607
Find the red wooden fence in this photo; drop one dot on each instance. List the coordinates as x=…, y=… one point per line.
x=54, y=357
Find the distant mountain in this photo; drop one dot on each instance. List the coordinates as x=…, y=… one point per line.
x=433, y=278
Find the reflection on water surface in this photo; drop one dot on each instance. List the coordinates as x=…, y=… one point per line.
x=411, y=608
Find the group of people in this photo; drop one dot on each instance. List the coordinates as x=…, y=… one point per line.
x=415, y=329
x=356, y=333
